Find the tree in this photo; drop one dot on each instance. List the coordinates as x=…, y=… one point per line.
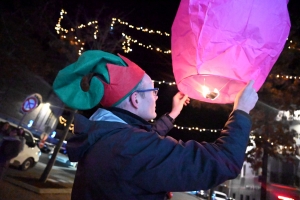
x=279, y=92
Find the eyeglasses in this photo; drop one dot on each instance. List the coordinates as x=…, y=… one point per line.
x=155, y=90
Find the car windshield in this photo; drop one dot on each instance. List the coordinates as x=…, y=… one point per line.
x=221, y=195
x=28, y=138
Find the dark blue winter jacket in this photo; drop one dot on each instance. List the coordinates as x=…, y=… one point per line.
x=121, y=156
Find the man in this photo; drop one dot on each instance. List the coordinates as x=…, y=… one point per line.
x=5, y=129
x=21, y=136
x=10, y=148
x=120, y=155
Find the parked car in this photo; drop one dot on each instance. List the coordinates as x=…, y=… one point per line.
x=203, y=194
x=169, y=195
x=62, y=157
x=30, y=154
x=46, y=147
x=219, y=196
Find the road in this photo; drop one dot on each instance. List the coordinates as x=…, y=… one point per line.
x=65, y=174
x=184, y=196
x=59, y=173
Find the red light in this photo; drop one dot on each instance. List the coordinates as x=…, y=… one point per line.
x=285, y=198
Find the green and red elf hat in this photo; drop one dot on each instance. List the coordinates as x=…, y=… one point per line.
x=97, y=77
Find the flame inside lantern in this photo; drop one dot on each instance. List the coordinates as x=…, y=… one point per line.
x=207, y=93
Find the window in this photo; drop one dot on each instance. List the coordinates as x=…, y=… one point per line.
x=28, y=138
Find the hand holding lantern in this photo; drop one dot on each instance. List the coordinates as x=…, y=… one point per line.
x=246, y=99
x=179, y=100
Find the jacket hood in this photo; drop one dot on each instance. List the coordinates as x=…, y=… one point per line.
x=101, y=124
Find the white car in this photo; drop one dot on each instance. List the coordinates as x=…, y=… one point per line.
x=203, y=194
x=30, y=154
x=62, y=157
x=219, y=196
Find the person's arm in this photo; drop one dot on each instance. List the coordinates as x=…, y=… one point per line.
x=179, y=166
x=165, y=123
x=171, y=165
x=179, y=100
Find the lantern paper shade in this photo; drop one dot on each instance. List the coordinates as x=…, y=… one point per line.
x=218, y=46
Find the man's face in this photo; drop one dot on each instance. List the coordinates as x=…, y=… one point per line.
x=147, y=104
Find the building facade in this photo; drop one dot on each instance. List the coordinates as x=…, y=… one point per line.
x=13, y=93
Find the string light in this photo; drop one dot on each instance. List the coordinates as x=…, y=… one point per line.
x=75, y=40
x=126, y=43
x=293, y=45
x=194, y=128
x=164, y=82
x=279, y=147
x=286, y=77
x=115, y=20
x=63, y=121
x=128, y=39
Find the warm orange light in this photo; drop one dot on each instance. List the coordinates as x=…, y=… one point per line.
x=209, y=94
x=205, y=90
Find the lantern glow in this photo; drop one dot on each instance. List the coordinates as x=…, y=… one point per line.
x=224, y=44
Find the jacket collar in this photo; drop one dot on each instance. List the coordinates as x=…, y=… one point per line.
x=130, y=118
x=105, y=115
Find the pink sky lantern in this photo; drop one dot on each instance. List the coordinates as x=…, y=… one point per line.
x=218, y=46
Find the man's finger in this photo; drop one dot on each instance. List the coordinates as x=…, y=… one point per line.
x=185, y=97
x=250, y=84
